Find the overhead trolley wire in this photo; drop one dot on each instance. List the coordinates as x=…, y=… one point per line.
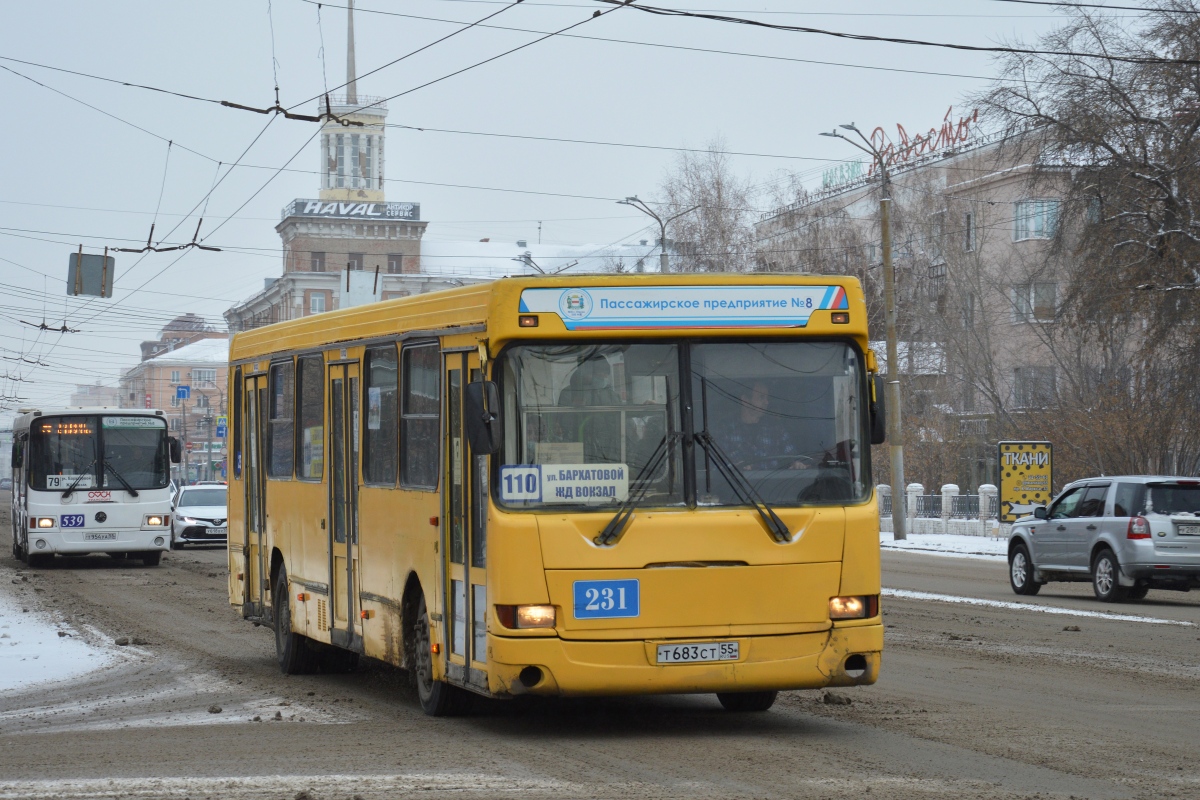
x=862, y=37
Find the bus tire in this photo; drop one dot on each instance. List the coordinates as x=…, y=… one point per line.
x=747, y=701
x=152, y=558
x=292, y=652
x=438, y=698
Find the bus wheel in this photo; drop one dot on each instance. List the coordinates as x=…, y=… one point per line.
x=152, y=558
x=747, y=701
x=291, y=649
x=438, y=699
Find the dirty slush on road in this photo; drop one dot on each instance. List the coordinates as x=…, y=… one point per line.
x=187, y=702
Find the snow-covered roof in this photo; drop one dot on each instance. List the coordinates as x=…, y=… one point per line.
x=204, y=351
x=501, y=259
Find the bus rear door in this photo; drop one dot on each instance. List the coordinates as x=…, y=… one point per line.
x=252, y=549
x=344, y=432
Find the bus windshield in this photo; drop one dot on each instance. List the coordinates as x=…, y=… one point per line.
x=590, y=424
x=90, y=452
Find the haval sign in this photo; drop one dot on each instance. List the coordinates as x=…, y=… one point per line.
x=334, y=209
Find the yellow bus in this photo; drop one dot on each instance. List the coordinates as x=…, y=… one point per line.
x=584, y=485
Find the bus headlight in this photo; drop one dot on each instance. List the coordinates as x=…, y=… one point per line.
x=523, y=617
x=45, y=522
x=154, y=521
x=856, y=607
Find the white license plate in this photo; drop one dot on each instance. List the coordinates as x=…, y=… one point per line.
x=218, y=531
x=99, y=537
x=695, y=652
x=1188, y=530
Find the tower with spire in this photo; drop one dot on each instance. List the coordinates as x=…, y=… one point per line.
x=352, y=155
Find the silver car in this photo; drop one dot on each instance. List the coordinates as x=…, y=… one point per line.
x=1127, y=535
x=199, y=515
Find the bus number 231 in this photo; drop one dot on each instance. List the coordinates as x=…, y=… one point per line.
x=606, y=599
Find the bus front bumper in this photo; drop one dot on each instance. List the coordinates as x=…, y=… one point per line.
x=572, y=668
x=74, y=541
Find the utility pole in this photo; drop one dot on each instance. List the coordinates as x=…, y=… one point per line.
x=186, y=466
x=895, y=440
x=640, y=205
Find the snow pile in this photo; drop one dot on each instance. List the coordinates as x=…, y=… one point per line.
x=987, y=548
x=33, y=648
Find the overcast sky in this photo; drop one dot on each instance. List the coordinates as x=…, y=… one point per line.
x=75, y=174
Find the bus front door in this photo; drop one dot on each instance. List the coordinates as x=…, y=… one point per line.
x=253, y=601
x=466, y=551
x=344, y=436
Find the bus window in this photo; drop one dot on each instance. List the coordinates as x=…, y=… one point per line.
x=312, y=417
x=236, y=404
x=786, y=414
x=582, y=407
x=380, y=433
x=281, y=439
x=420, y=416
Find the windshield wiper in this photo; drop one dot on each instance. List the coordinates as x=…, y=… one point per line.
x=78, y=478
x=637, y=491
x=743, y=488
x=132, y=491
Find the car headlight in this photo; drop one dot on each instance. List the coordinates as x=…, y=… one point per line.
x=186, y=520
x=855, y=607
x=526, y=616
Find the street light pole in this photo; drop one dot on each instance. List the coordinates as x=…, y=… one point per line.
x=895, y=440
x=640, y=205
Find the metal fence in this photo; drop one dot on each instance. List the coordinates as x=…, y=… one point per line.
x=929, y=506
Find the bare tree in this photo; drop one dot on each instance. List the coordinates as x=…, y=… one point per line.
x=718, y=235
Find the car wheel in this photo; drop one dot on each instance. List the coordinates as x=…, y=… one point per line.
x=292, y=652
x=747, y=701
x=1137, y=592
x=1020, y=572
x=1105, y=583
x=152, y=558
x=438, y=698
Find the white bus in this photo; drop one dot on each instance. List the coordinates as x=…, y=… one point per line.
x=89, y=480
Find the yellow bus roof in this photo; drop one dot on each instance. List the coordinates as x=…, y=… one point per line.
x=496, y=304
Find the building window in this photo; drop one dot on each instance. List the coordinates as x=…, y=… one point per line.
x=937, y=233
x=1034, y=219
x=281, y=439
x=969, y=233
x=174, y=376
x=311, y=392
x=355, y=261
x=368, y=171
x=937, y=280
x=316, y=303
x=201, y=400
x=1033, y=387
x=175, y=423
x=341, y=161
x=355, y=161
x=395, y=264
x=1034, y=302
x=317, y=263
x=380, y=434
x=175, y=401
x=204, y=377
x=1095, y=211
x=420, y=417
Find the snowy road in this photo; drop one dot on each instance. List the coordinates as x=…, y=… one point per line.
x=988, y=699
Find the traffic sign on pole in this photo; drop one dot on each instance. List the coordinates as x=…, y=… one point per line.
x=183, y=392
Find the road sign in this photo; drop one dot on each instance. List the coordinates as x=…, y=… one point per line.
x=1026, y=478
x=95, y=277
x=222, y=431
x=148, y=400
x=183, y=392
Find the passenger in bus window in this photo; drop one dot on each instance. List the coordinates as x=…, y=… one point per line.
x=758, y=438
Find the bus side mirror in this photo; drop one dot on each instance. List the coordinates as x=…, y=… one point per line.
x=878, y=410
x=176, y=450
x=483, y=417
